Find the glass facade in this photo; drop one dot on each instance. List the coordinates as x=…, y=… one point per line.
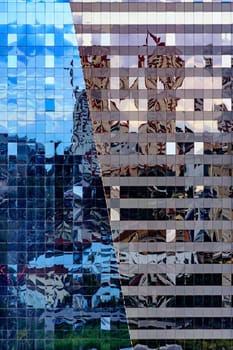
x=59, y=282
x=158, y=77
x=116, y=175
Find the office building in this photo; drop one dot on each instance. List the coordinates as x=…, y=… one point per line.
x=59, y=282
x=116, y=175
x=158, y=77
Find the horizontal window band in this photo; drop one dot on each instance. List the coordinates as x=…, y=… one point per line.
x=142, y=94
x=185, y=334
x=170, y=159
x=163, y=224
x=165, y=115
x=185, y=343
x=145, y=72
x=144, y=17
x=181, y=323
x=164, y=312
x=126, y=268
x=176, y=47
x=153, y=279
x=173, y=247
x=174, y=240
x=178, y=290
x=175, y=192
x=180, y=204
x=164, y=257
x=111, y=168
x=150, y=301
x=154, y=28
x=186, y=214
x=108, y=6
x=132, y=138
x=167, y=50
x=165, y=181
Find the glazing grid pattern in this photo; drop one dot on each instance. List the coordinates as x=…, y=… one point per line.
x=59, y=282
x=159, y=83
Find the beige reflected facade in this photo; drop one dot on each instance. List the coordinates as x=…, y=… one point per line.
x=159, y=83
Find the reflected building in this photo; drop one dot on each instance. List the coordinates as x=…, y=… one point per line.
x=158, y=77
x=59, y=274
x=59, y=281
